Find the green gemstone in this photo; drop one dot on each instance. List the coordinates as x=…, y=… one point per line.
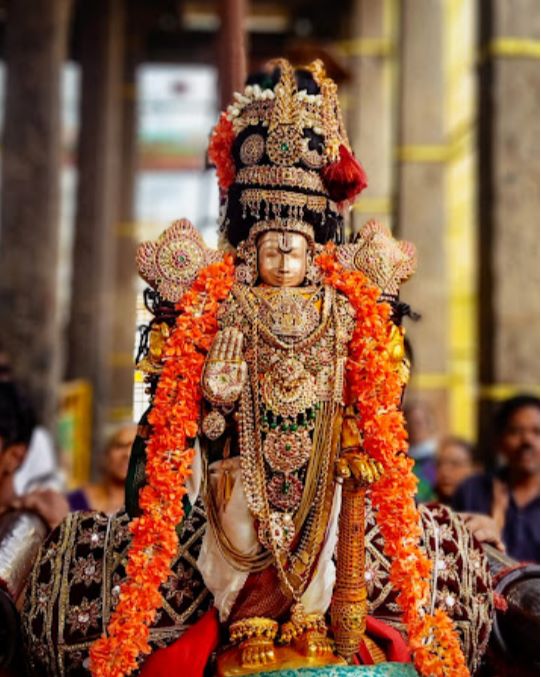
x=273, y=425
x=288, y=447
x=285, y=487
x=284, y=146
x=293, y=427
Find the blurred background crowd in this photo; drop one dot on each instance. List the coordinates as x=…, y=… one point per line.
x=106, y=108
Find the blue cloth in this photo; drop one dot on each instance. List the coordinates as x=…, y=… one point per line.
x=521, y=529
x=380, y=670
x=78, y=500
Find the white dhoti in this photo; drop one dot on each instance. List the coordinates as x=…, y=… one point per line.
x=224, y=580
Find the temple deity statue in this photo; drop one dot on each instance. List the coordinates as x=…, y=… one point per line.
x=270, y=519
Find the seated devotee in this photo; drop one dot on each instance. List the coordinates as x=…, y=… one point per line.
x=17, y=423
x=108, y=495
x=39, y=470
x=505, y=504
x=454, y=464
x=423, y=447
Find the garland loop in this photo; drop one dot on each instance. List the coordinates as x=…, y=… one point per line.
x=174, y=420
x=374, y=386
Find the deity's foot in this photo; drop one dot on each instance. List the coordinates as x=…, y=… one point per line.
x=307, y=641
x=254, y=650
x=230, y=661
x=314, y=643
x=256, y=653
x=306, y=644
x=249, y=657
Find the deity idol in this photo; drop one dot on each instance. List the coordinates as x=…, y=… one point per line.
x=274, y=448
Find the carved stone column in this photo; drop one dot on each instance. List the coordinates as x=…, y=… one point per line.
x=124, y=320
x=90, y=329
x=509, y=202
x=231, y=49
x=35, y=46
x=421, y=157
x=371, y=104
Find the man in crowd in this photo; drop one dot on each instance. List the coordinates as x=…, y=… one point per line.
x=504, y=506
x=17, y=423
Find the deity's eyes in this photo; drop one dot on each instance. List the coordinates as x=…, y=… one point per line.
x=252, y=149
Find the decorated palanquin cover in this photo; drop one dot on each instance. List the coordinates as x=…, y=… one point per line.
x=70, y=599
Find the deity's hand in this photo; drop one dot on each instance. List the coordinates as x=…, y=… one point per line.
x=225, y=371
x=359, y=466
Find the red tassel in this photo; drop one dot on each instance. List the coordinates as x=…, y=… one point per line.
x=345, y=178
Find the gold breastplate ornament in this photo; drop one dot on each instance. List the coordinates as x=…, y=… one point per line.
x=295, y=342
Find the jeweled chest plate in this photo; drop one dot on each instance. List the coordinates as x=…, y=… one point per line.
x=288, y=313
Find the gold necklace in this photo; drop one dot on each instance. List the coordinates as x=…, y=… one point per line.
x=289, y=313
x=278, y=529
x=250, y=306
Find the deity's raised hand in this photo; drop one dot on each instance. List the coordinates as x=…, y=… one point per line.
x=225, y=371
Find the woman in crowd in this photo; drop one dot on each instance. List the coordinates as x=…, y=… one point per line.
x=108, y=495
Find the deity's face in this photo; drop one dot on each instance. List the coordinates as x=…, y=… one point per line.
x=281, y=258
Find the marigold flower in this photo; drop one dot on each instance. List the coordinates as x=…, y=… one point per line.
x=374, y=385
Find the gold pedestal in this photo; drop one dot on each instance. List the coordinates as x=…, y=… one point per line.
x=229, y=662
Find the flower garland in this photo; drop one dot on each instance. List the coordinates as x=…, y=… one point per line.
x=375, y=386
x=174, y=420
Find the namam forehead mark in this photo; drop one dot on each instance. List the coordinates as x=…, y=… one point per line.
x=284, y=241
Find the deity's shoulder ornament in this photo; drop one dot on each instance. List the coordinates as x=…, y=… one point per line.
x=171, y=263
x=386, y=262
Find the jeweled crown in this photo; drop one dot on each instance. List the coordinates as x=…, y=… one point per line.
x=281, y=152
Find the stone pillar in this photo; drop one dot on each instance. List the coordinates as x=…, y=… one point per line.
x=421, y=157
x=371, y=104
x=460, y=50
x=232, y=49
x=124, y=316
x=90, y=328
x=35, y=45
x=509, y=202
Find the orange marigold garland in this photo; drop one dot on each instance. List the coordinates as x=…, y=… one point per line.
x=375, y=387
x=174, y=420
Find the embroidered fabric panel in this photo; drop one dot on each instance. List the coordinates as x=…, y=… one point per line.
x=463, y=583
x=65, y=607
x=75, y=584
